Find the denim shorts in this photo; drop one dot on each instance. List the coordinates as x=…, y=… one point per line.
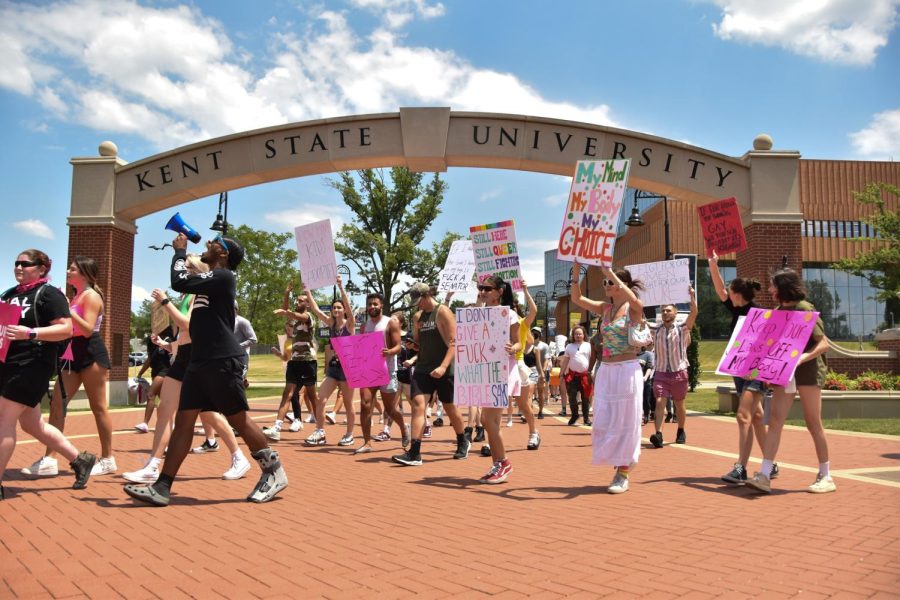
x=741, y=384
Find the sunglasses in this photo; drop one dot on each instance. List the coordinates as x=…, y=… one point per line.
x=486, y=288
x=609, y=282
x=221, y=241
x=26, y=263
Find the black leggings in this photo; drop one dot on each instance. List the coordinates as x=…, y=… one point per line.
x=295, y=402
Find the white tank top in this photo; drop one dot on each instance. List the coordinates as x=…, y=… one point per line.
x=381, y=325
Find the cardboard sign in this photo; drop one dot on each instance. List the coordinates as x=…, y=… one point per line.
x=496, y=253
x=315, y=251
x=768, y=345
x=721, y=225
x=665, y=282
x=360, y=355
x=459, y=268
x=592, y=212
x=9, y=315
x=481, y=372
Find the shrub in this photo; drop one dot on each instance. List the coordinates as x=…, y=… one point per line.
x=875, y=380
x=837, y=381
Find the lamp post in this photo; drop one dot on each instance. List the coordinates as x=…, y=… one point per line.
x=635, y=220
x=344, y=271
x=540, y=299
x=221, y=223
x=567, y=286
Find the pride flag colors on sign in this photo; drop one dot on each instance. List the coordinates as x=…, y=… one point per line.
x=768, y=345
x=592, y=212
x=496, y=252
x=481, y=371
x=721, y=225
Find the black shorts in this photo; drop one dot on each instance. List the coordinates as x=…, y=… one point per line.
x=180, y=364
x=216, y=385
x=301, y=372
x=424, y=384
x=87, y=351
x=25, y=383
x=335, y=370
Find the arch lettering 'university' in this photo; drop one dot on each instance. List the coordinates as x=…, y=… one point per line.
x=109, y=194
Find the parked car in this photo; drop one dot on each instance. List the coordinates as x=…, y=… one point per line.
x=136, y=358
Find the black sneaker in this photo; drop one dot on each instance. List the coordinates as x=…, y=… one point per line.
x=669, y=418
x=657, y=440
x=2, y=493
x=485, y=450
x=408, y=459
x=774, y=472
x=680, y=437
x=462, y=448
x=147, y=493
x=562, y=413
x=439, y=422
x=540, y=415
x=588, y=422
x=479, y=434
x=82, y=465
x=737, y=475
x=206, y=447
x=468, y=433
x=573, y=419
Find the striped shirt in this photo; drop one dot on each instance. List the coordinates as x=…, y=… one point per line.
x=670, y=345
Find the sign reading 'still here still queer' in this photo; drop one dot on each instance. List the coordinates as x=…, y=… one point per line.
x=496, y=252
x=592, y=212
x=769, y=344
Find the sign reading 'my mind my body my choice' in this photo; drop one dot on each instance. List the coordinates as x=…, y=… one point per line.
x=768, y=345
x=496, y=253
x=315, y=251
x=592, y=213
x=481, y=369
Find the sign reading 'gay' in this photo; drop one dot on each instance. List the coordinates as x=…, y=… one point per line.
x=720, y=223
x=768, y=345
x=592, y=213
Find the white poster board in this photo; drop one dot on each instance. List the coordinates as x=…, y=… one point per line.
x=315, y=251
x=665, y=282
x=459, y=268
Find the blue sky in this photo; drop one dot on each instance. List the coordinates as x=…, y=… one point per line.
x=819, y=77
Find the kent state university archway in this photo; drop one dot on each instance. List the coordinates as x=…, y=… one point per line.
x=109, y=194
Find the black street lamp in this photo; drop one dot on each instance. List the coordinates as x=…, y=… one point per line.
x=221, y=223
x=563, y=285
x=540, y=299
x=635, y=219
x=344, y=271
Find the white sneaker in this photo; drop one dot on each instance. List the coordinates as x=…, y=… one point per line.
x=823, y=485
x=146, y=475
x=239, y=468
x=272, y=433
x=509, y=422
x=619, y=484
x=142, y=427
x=310, y=419
x=45, y=466
x=104, y=466
x=346, y=440
x=289, y=416
x=296, y=425
x=331, y=418
x=316, y=439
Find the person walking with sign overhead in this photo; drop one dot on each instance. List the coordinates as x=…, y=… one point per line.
x=670, y=379
x=435, y=333
x=618, y=389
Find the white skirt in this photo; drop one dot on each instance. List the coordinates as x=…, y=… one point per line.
x=618, y=395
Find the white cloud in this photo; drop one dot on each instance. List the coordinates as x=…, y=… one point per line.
x=397, y=13
x=556, y=199
x=34, y=227
x=841, y=31
x=542, y=245
x=881, y=139
x=173, y=76
x=138, y=295
x=287, y=220
x=490, y=195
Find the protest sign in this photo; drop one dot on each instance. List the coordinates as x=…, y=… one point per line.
x=665, y=282
x=315, y=250
x=495, y=252
x=481, y=372
x=592, y=213
x=768, y=345
x=720, y=223
x=731, y=341
x=361, y=358
x=9, y=315
x=459, y=268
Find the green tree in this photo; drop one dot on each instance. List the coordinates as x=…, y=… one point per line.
x=140, y=321
x=269, y=264
x=390, y=220
x=881, y=266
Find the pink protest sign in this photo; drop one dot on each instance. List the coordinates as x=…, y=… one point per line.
x=721, y=225
x=360, y=355
x=588, y=232
x=9, y=315
x=481, y=369
x=768, y=345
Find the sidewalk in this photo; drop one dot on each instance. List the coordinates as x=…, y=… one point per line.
x=351, y=527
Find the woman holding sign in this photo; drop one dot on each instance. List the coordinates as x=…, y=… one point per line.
x=619, y=385
x=788, y=290
x=40, y=316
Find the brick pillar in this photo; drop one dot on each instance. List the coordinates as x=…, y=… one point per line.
x=767, y=243
x=113, y=249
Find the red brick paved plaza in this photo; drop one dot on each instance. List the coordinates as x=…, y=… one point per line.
x=354, y=527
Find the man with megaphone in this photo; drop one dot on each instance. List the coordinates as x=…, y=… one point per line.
x=214, y=376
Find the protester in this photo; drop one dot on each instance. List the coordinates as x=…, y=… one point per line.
x=540, y=372
x=576, y=374
x=738, y=300
x=788, y=290
x=616, y=433
x=647, y=360
x=158, y=362
x=670, y=377
x=246, y=337
x=213, y=380
x=526, y=347
x=31, y=360
x=435, y=334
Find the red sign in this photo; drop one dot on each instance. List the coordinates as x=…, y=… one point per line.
x=720, y=222
x=9, y=315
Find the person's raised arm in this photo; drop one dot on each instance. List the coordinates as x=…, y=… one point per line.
x=692, y=317
x=446, y=324
x=531, y=315
x=286, y=298
x=716, y=275
x=576, y=297
x=314, y=307
x=182, y=321
x=214, y=282
x=635, y=306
